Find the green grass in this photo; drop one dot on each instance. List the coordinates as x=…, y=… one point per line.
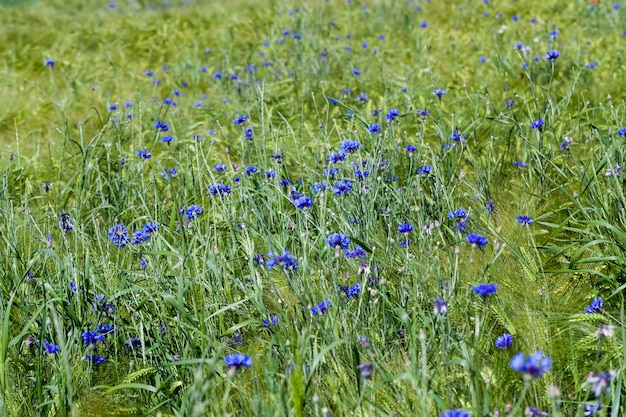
x=205, y=291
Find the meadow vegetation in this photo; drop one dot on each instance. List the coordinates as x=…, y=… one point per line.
x=325, y=208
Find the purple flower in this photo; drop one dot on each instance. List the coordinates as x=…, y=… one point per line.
x=365, y=370
x=524, y=220
x=285, y=260
x=441, y=306
x=600, y=383
x=350, y=146
x=552, y=55
x=240, y=119
x=537, y=124
x=237, y=361
x=596, y=304
x=504, y=341
x=338, y=241
x=532, y=366
x=374, y=128
x=320, y=308
x=342, y=187
x=484, y=289
x=118, y=234
x=439, y=93
x=192, y=212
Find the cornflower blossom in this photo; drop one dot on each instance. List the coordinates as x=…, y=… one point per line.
x=532, y=366
x=484, y=289
x=236, y=361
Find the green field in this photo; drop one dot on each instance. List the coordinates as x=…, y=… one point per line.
x=326, y=208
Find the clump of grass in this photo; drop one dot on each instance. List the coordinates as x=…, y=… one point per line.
x=383, y=209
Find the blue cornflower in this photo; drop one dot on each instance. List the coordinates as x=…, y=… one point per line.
x=65, y=222
x=143, y=263
x=336, y=157
x=272, y=321
x=330, y=172
x=439, y=92
x=462, y=225
x=350, y=146
x=520, y=164
x=350, y=292
x=320, y=308
x=532, y=366
x=342, y=187
x=105, y=329
x=143, y=154
x=425, y=170
x=49, y=348
x=319, y=187
x=95, y=359
x=441, y=307
x=392, y=115
x=552, y=55
x=249, y=133
x=537, y=124
x=303, y=202
x=91, y=337
x=457, y=135
x=535, y=412
x=366, y=370
x=601, y=383
x=405, y=228
x=622, y=132
x=509, y=103
x=151, y=227
x=361, y=174
x=219, y=167
x=240, y=119
x=338, y=241
x=113, y=107
x=358, y=252
x=455, y=413
x=270, y=173
x=167, y=139
x=192, y=212
x=237, y=361
x=476, y=239
x=284, y=182
x=168, y=173
x=524, y=220
x=504, y=341
x=423, y=113
x=251, y=170
x=591, y=409
x=118, y=234
x=459, y=213
x=285, y=260
x=219, y=189
x=596, y=304
x=490, y=206
x=410, y=149
x=374, y=128
x=161, y=126
x=140, y=237
x=49, y=63
x=484, y=289
x=133, y=343
x=362, y=97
